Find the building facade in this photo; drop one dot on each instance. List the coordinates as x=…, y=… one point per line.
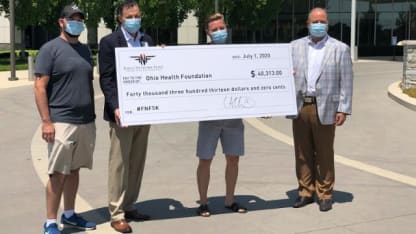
x=379, y=23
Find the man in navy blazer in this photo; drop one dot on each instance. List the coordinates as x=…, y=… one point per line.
x=128, y=143
x=324, y=83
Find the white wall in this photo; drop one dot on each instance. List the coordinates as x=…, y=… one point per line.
x=188, y=30
x=102, y=30
x=5, y=31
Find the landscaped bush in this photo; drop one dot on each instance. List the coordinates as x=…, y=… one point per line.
x=411, y=92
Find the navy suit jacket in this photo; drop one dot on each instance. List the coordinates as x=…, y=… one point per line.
x=107, y=69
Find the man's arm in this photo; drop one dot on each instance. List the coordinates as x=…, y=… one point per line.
x=41, y=98
x=346, y=87
x=106, y=60
x=108, y=82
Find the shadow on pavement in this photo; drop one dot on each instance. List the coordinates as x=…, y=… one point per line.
x=337, y=197
x=167, y=208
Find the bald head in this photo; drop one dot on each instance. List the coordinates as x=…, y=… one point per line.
x=318, y=15
x=318, y=24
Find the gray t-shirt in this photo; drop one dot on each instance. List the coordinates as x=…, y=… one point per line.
x=70, y=91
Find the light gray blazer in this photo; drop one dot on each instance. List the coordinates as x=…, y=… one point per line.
x=333, y=86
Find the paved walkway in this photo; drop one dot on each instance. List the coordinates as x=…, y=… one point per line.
x=375, y=161
x=22, y=79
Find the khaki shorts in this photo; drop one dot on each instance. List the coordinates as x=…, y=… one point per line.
x=72, y=149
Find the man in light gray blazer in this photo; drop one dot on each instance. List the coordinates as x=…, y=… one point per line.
x=324, y=81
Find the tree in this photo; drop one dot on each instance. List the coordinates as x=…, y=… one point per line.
x=164, y=16
x=240, y=15
x=27, y=13
x=202, y=10
x=249, y=15
x=95, y=10
x=157, y=15
x=109, y=13
x=45, y=14
x=160, y=17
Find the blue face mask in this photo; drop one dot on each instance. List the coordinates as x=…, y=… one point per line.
x=133, y=25
x=74, y=27
x=219, y=36
x=317, y=30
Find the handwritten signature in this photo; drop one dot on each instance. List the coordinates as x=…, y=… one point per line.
x=238, y=102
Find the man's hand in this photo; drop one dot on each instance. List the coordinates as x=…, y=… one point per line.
x=117, y=117
x=48, y=131
x=340, y=118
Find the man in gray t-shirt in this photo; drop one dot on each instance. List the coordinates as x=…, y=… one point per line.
x=69, y=90
x=65, y=99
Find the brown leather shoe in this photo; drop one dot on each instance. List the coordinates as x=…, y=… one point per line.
x=121, y=226
x=325, y=205
x=302, y=201
x=135, y=215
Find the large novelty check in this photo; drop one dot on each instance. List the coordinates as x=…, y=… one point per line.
x=204, y=82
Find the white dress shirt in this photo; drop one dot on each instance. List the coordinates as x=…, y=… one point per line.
x=315, y=59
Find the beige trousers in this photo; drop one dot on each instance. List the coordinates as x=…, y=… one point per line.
x=125, y=169
x=314, y=153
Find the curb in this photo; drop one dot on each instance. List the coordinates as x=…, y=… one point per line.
x=396, y=93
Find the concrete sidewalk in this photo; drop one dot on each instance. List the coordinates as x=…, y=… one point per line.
x=23, y=79
x=22, y=76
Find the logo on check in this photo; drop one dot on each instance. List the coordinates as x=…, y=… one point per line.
x=142, y=58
